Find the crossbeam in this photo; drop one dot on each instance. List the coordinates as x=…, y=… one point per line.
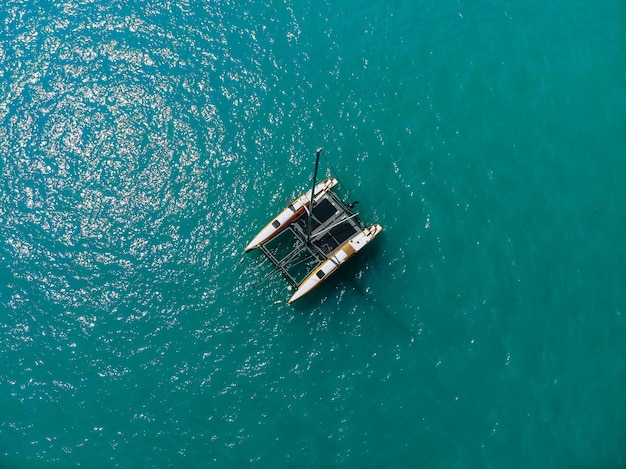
x=305, y=244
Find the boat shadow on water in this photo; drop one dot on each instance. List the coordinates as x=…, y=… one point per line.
x=344, y=291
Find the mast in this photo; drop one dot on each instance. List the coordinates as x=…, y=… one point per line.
x=317, y=162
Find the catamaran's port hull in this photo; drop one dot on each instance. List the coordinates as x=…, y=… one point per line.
x=291, y=213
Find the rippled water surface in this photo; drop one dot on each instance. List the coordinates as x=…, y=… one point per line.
x=143, y=144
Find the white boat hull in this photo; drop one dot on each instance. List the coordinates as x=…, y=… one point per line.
x=338, y=257
x=287, y=216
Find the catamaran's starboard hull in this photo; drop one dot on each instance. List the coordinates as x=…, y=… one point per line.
x=292, y=212
x=338, y=257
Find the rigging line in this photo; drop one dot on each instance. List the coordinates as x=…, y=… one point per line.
x=301, y=261
x=317, y=235
x=310, y=214
x=336, y=175
x=257, y=264
x=286, y=266
x=270, y=274
x=312, y=199
x=385, y=310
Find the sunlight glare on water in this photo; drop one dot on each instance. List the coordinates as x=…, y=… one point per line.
x=143, y=145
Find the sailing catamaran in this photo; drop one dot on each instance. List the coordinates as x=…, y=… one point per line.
x=313, y=236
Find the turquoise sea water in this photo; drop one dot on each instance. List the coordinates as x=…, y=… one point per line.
x=143, y=144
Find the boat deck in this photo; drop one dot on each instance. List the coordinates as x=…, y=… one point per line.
x=333, y=222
